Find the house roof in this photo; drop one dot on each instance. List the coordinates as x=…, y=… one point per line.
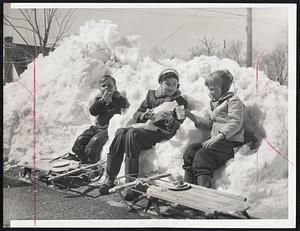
x=21, y=55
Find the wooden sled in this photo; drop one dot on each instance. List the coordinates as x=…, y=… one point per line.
x=211, y=203
x=58, y=171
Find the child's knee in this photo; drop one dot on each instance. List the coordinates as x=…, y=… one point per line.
x=121, y=132
x=188, y=157
x=79, y=144
x=189, y=153
x=200, y=160
x=132, y=132
x=132, y=135
x=80, y=139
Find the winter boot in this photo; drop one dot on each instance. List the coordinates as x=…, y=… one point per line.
x=131, y=169
x=189, y=176
x=131, y=173
x=106, y=186
x=204, y=180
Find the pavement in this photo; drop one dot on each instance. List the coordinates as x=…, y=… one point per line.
x=27, y=201
x=20, y=203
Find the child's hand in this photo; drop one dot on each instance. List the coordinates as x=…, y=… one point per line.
x=167, y=116
x=188, y=113
x=148, y=114
x=208, y=143
x=106, y=97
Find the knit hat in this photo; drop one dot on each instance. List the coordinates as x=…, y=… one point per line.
x=168, y=73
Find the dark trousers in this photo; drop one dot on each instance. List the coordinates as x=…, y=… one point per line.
x=130, y=141
x=89, y=144
x=204, y=161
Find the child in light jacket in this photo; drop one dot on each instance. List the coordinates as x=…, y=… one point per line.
x=225, y=118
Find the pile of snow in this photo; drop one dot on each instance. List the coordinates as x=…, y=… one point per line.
x=66, y=83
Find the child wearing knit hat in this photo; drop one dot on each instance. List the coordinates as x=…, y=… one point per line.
x=133, y=140
x=225, y=118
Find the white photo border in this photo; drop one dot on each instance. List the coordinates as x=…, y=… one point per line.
x=162, y=223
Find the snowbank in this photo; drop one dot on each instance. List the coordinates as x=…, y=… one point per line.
x=66, y=83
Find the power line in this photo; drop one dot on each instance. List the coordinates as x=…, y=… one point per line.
x=173, y=33
x=232, y=29
x=267, y=24
x=147, y=13
x=256, y=19
x=223, y=12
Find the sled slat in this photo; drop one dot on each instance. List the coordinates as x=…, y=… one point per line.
x=216, y=192
x=196, y=199
x=219, y=200
x=216, y=196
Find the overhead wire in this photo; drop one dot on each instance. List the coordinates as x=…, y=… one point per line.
x=167, y=14
x=173, y=33
x=147, y=13
x=240, y=15
x=223, y=12
x=267, y=24
x=232, y=29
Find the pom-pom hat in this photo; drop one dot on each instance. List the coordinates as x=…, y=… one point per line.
x=168, y=73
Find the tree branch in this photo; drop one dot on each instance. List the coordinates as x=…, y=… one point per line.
x=20, y=27
x=16, y=30
x=36, y=23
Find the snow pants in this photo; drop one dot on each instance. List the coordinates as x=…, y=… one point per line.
x=130, y=141
x=89, y=144
x=204, y=161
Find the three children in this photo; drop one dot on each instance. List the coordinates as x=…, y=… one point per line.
x=224, y=117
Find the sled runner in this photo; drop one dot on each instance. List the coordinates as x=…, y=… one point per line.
x=209, y=202
x=60, y=172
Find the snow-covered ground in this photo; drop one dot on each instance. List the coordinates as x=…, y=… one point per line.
x=66, y=83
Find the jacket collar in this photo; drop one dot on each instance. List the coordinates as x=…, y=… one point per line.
x=160, y=94
x=226, y=96
x=214, y=104
x=116, y=94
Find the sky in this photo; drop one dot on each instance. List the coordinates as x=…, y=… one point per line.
x=178, y=29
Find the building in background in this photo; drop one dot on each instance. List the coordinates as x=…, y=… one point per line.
x=16, y=58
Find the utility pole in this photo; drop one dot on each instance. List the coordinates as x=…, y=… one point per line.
x=249, y=37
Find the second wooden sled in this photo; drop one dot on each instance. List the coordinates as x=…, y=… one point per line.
x=59, y=171
x=210, y=202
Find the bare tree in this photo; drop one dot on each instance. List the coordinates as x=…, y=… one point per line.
x=160, y=53
x=275, y=64
x=207, y=46
x=234, y=51
x=47, y=26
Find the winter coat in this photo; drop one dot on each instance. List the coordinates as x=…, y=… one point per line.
x=153, y=99
x=225, y=116
x=105, y=112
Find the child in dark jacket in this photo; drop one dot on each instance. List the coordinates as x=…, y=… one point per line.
x=133, y=140
x=225, y=118
x=108, y=102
